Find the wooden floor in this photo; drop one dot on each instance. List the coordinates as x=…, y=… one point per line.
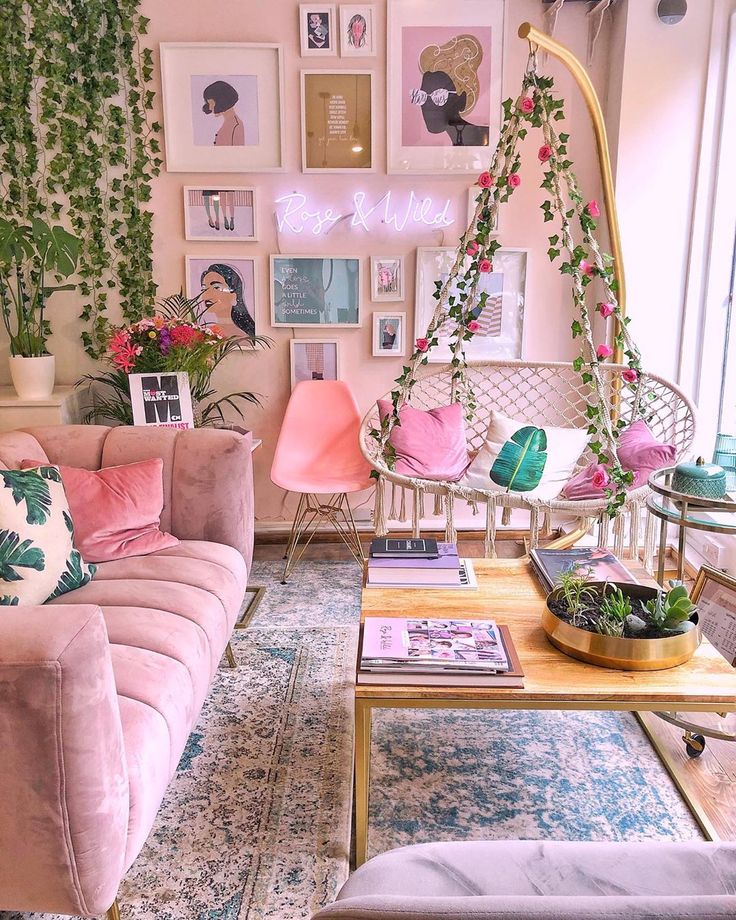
x=708, y=782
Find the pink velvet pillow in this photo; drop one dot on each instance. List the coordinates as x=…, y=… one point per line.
x=116, y=511
x=429, y=445
x=638, y=451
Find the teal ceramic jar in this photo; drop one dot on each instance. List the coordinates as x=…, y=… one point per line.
x=701, y=479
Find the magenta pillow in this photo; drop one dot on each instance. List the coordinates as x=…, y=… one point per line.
x=431, y=444
x=638, y=451
x=116, y=511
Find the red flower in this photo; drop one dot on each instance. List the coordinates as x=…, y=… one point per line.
x=606, y=309
x=604, y=351
x=592, y=208
x=485, y=265
x=186, y=336
x=422, y=344
x=473, y=325
x=485, y=180
x=527, y=104
x=514, y=180
x=630, y=375
x=545, y=152
x=472, y=248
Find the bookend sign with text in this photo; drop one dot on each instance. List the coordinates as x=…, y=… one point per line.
x=163, y=400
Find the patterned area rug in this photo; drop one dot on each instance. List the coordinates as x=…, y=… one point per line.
x=256, y=823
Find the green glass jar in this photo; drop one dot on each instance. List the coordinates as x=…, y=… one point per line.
x=701, y=479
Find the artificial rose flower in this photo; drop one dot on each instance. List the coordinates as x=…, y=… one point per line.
x=592, y=208
x=472, y=248
x=422, y=344
x=514, y=180
x=545, y=152
x=603, y=351
x=485, y=180
x=586, y=268
x=527, y=104
x=630, y=375
x=606, y=309
x=485, y=265
x=600, y=478
x=473, y=325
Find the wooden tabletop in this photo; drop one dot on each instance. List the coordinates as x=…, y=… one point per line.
x=509, y=593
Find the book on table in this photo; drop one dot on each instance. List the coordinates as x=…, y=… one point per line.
x=443, y=569
x=599, y=565
x=394, y=548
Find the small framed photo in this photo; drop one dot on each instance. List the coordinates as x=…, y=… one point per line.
x=714, y=594
x=387, y=278
x=314, y=359
x=357, y=30
x=227, y=287
x=317, y=29
x=473, y=193
x=388, y=334
x=315, y=291
x=337, y=121
x=220, y=214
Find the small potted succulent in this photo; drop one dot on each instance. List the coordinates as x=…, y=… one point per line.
x=625, y=626
x=31, y=255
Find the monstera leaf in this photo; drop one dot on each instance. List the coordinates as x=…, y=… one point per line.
x=16, y=554
x=29, y=486
x=520, y=464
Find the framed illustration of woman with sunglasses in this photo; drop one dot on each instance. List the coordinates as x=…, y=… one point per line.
x=444, y=85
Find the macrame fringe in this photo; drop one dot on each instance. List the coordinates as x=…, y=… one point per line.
x=474, y=507
x=392, y=509
x=534, y=527
x=506, y=516
x=402, y=506
x=437, y=505
x=379, y=512
x=450, y=532
x=634, y=526
x=417, y=511
x=546, y=523
x=603, y=522
x=619, y=533
x=489, y=544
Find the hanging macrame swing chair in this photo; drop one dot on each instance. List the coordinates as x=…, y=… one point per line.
x=591, y=392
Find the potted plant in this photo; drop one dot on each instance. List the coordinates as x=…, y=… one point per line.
x=29, y=254
x=618, y=625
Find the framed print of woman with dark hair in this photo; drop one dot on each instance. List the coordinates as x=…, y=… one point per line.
x=444, y=85
x=227, y=289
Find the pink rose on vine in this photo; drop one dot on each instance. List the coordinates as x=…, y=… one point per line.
x=592, y=208
x=630, y=375
x=527, y=104
x=600, y=478
x=422, y=345
x=603, y=351
x=545, y=152
x=514, y=180
x=606, y=309
x=472, y=248
x=587, y=268
x=485, y=180
x=485, y=265
x=473, y=325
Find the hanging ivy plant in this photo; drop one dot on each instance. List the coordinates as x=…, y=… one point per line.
x=77, y=144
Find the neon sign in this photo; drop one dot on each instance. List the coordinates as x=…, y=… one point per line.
x=295, y=214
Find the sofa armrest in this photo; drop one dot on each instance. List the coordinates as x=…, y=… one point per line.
x=64, y=805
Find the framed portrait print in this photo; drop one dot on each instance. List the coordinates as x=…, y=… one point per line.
x=714, y=594
x=228, y=290
x=501, y=333
x=317, y=29
x=389, y=334
x=220, y=214
x=223, y=107
x=444, y=85
x=473, y=193
x=337, y=120
x=357, y=30
x=314, y=359
x=387, y=278
x=315, y=291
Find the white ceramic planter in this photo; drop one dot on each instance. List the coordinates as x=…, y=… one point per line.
x=33, y=378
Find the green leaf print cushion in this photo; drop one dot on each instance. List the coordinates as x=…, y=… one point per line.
x=38, y=560
x=520, y=464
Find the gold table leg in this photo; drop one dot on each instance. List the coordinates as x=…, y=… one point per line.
x=362, y=777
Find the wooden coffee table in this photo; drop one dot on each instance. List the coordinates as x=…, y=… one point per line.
x=509, y=593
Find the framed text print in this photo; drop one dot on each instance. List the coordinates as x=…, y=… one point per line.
x=227, y=287
x=317, y=29
x=337, y=120
x=389, y=334
x=444, y=84
x=314, y=359
x=714, y=594
x=220, y=213
x=223, y=108
x=315, y=291
x=501, y=332
x=357, y=30
x=387, y=278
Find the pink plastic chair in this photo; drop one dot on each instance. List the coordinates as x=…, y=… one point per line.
x=318, y=453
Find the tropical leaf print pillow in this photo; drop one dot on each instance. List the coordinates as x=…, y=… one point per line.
x=38, y=560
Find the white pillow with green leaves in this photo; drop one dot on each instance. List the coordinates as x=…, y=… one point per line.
x=38, y=560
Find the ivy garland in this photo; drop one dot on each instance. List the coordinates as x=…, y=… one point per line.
x=538, y=107
x=77, y=144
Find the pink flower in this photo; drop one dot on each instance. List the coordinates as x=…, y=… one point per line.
x=600, y=478
x=630, y=375
x=586, y=268
x=514, y=180
x=604, y=351
x=124, y=358
x=606, y=309
x=472, y=248
x=485, y=265
x=473, y=325
x=485, y=180
x=592, y=208
x=186, y=336
x=422, y=344
x=527, y=104
x=545, y=152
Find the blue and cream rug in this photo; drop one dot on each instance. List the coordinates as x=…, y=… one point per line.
x=256, y=824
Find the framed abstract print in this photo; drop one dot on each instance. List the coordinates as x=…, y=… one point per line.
x=227, y=287
x=501, y=333
x=445, y=66
x=387, y=278
x=389, y=334
x=315, y=291
x=222, y=106
x=220, y=213
x=317, y=29
x=357, y=30
x=314, y=359
x=337, y=120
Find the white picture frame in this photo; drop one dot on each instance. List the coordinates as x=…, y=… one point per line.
x=473, y=193
x=337, y=282
x=502, y=333
x=309, y=30
x=382, y=322
x=209, y=213
x=306, y=352
x=428, y=137
x=235, y=294
x=358, y=39
x=337, y=129
x=385, y=290
x=248, y=74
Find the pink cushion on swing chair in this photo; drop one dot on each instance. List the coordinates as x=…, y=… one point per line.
x=431, y=444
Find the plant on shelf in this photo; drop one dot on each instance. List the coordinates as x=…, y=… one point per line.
x=175, y=338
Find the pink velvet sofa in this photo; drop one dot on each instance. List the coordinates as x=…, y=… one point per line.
x=100, y=689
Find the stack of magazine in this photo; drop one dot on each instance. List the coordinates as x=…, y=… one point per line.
x=437, y=652
x=595, y=563
x=417, y=563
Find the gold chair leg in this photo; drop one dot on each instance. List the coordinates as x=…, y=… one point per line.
x=113, y=912
x=230, y=655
